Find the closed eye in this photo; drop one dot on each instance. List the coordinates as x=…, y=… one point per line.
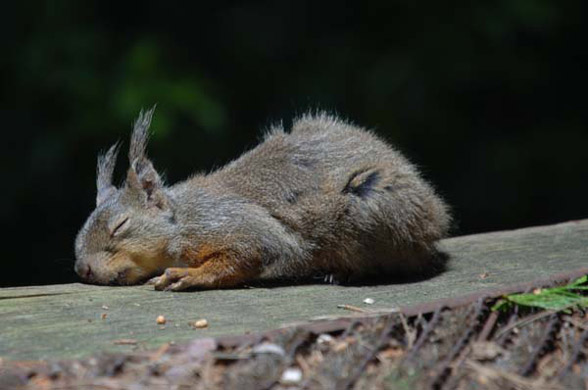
x=119, y=227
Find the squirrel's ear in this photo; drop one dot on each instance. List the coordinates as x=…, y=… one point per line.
x=142, y=179
x=145, y=182
x=104, y=171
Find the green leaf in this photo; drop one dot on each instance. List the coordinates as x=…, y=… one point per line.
x=555, y=298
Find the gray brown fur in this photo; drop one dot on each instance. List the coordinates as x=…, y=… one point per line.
x=325, y=198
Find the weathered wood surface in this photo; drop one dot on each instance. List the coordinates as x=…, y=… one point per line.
x=64, y=321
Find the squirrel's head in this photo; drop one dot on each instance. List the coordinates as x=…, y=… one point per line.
x=125, y=238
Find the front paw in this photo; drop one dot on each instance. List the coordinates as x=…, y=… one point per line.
x=174, y=279
x=152, y=281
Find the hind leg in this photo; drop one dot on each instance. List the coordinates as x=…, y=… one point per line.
x=398, y=218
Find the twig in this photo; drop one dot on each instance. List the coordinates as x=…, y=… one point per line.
x=382, y=340
x=576, y=354
x=543, y=346
x=445, y=368
x=576, y=323
x=410, y=334
x=125, y=342
x=488, y=326
x=353, y=308
x=424, y=335
x=517, y=381
x=523, y=322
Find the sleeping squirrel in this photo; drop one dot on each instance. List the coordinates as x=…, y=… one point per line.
x=325, y=198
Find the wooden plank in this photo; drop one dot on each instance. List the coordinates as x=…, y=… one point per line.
x=64, y=321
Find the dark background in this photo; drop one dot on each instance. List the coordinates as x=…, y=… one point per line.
x=489, y=98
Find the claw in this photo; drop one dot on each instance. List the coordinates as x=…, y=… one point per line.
x=329, y=278
x=152, y=281
x=178, y=286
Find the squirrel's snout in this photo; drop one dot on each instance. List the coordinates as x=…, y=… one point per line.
x=83, y=270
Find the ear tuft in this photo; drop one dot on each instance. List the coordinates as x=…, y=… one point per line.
x=140, y=135
x=104, y=171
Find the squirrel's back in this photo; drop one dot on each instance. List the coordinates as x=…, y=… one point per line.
x=356, y=204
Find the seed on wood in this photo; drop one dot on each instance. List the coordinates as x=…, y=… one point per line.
x=202, y=323
x=125, y=342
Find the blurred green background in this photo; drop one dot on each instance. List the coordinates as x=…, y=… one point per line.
x=489, y=98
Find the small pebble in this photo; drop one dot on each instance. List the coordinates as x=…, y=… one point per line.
x=160, y=320
x=325, y=339
x=269, y=348
x=369, y=301
x=104, y=307
x=200, y=324
x=291, y=375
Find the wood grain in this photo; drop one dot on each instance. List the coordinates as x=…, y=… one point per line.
x=75, y=320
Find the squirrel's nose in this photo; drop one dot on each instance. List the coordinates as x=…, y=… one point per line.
x=84, y=270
